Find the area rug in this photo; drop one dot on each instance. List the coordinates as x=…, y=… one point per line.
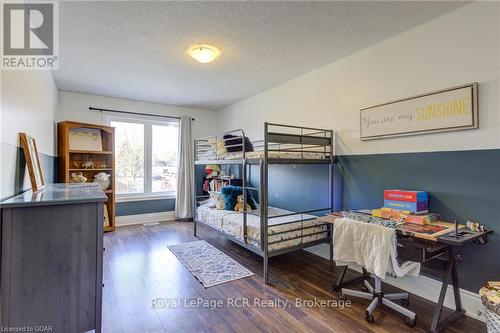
x=209, y=265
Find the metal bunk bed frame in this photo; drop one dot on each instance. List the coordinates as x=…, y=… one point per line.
x=308, y=140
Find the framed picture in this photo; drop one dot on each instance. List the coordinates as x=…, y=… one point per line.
x=85, y=139
x=32, y=162
x=451, y=109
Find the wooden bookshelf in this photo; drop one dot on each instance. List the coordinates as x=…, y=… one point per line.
x=71, y=160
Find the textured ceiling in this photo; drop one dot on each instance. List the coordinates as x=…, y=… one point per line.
x=138, y=50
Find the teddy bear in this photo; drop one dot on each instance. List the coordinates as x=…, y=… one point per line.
x=78, y=178
x=240, y=205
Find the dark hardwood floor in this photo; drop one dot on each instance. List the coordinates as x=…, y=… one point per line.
x=139, y=269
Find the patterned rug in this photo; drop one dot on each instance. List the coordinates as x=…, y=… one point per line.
x=209, y=265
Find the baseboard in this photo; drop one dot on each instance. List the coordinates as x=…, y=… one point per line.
x=425, y=287
x=127, y=220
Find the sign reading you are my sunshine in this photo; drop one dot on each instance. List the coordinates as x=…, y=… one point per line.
x=445, y=110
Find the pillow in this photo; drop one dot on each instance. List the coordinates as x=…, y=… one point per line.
x=230, y=195
x=217, y=199
x=217, y=146
x=209, y=203
x=221, y=149
x=231, y=140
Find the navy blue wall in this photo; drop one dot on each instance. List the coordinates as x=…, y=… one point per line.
x=462, y=185
x=295, y=187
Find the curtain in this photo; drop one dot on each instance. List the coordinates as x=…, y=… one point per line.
x=184, y=200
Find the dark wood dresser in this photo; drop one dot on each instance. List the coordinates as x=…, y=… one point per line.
x=51, y=259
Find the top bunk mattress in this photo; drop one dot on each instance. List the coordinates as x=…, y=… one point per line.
x=260, y=154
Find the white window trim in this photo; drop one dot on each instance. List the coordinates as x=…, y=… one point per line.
x=148, y=132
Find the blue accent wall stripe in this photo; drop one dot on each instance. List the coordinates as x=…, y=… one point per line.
x=13, y=170
x=145, y=207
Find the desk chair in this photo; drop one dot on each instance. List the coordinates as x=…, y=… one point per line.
x=372, y=244
x=378, y=297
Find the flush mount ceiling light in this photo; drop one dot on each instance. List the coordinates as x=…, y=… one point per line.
x=204, y=53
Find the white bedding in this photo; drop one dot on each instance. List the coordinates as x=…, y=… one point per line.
x=231, y=223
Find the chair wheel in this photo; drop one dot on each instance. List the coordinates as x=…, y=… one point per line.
x=411, y=322
x=364, y=289
x=343, y=297
x=336, y=288
x=369, y=317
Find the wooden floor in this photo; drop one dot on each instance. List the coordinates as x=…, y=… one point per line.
x=139, y=268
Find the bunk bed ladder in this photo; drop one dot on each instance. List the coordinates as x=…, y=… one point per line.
x=330, y=192
x=194, y=188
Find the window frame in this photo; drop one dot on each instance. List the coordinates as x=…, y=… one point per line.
x=148, y=123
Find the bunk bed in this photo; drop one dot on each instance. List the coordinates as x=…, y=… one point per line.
x=267, y=231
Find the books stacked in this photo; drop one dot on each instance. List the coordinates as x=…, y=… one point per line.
x=405, y=216
x=412, y=201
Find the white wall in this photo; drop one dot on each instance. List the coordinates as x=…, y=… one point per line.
x=75, y=106
x=28, y=104
x=460, y=47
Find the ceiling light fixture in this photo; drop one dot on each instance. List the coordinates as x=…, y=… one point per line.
x=204, y=53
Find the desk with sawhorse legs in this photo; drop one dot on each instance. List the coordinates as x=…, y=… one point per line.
x=438, y=246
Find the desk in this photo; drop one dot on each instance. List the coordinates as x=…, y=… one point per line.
x=436, y=246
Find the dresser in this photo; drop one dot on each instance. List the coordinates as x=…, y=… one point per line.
x=51, y=259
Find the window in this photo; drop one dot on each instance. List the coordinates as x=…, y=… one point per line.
x=129, y=160
x=146, y=157
x=164, y=158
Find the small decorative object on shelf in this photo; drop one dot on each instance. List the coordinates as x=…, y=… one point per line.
x=78, y=177
x=88, y=165
x=85, y=151
x=103, y=180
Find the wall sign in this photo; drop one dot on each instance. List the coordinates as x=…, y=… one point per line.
x=441, y=111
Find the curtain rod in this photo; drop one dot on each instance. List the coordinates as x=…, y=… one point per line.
x=136, y=113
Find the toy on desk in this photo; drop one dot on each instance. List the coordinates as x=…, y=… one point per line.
x=474, y=226
x=471, y=232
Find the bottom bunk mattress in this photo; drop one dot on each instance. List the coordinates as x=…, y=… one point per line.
x=284, y=229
